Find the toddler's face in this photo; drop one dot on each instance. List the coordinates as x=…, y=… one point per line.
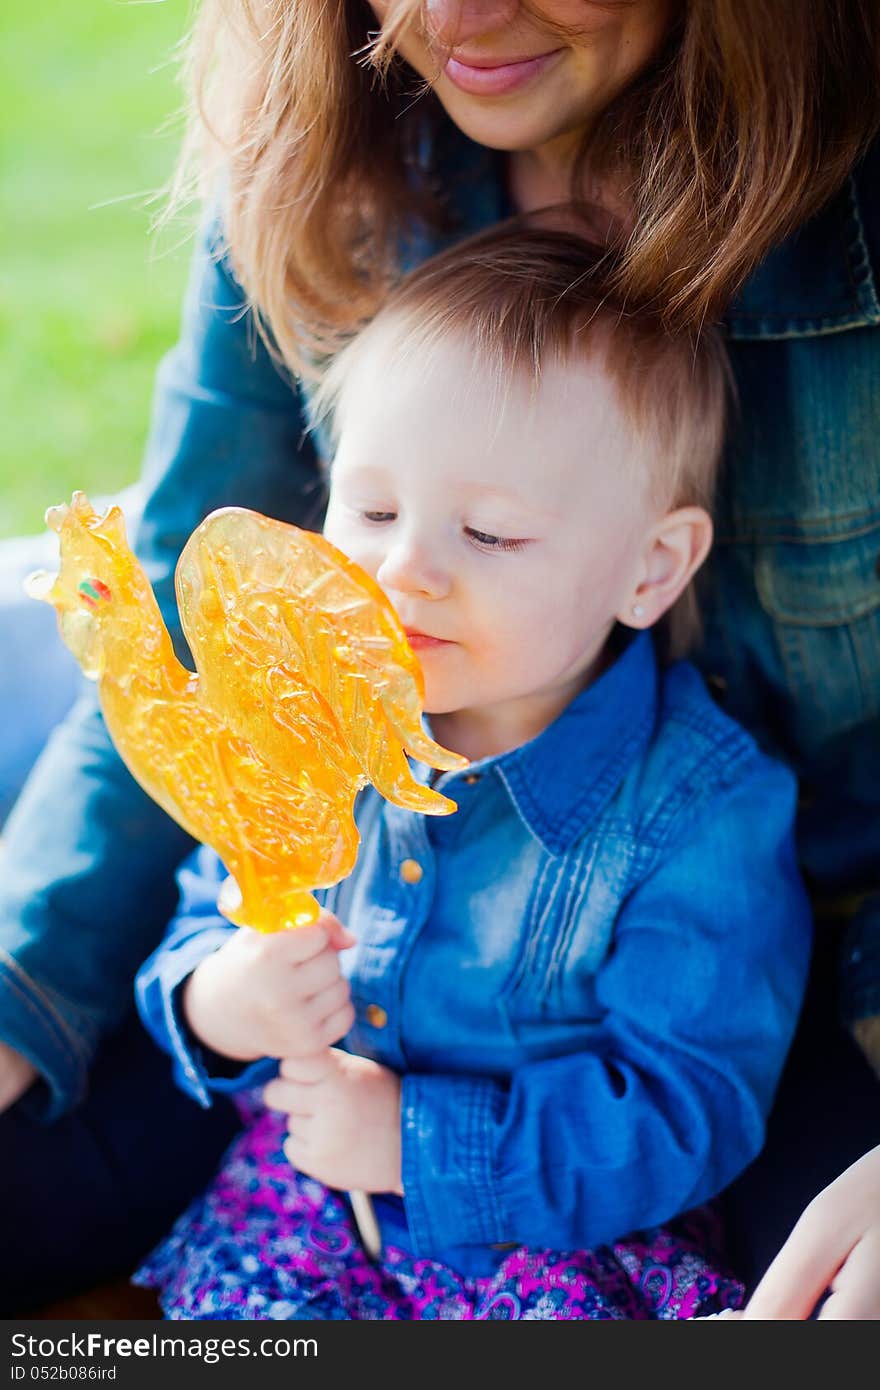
x=507, y=535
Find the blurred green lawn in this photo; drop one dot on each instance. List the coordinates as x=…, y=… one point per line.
x=88, y=300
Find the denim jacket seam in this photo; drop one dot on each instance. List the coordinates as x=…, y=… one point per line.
x=784, y=609
x=865, y=310
x=823, y=323
x=42, y=1007
x=859, y=257
x=810, y=327
x=760, y=534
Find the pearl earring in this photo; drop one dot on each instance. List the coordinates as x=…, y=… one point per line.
x=638, y=611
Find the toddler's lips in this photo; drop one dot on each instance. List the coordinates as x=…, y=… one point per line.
x=421, y=641
x=499, y=78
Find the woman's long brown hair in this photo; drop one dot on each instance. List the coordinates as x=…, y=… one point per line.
x=744, y=125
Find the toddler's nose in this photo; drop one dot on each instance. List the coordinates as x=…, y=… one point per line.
x=454, y=22
x=408, y=569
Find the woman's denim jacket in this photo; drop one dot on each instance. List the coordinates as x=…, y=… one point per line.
x=792, y=599
x=588, y=987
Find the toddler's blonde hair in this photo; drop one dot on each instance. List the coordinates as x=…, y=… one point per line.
x=521, y=297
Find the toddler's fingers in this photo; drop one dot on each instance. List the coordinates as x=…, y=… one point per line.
x=286, y=947
x=330, y=999
x=307, y=1071
x=296, y=1151
x=338, y=936
x=314, y=977
x=290, y=1098
x=334, y=1028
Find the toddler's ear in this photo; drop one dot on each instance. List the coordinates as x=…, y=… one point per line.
x=674, y=550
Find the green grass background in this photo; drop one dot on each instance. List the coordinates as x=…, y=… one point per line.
x=89, y=300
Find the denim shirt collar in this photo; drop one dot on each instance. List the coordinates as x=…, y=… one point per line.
x=562, y=779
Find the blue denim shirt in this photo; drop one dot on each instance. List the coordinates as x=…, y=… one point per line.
x=590, y=990
x=793, y=606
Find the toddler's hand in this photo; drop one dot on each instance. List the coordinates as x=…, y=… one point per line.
x=272, y=995
x=344, y=1115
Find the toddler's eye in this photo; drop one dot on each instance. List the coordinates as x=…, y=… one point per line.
x=378, y=517
x=493, y=542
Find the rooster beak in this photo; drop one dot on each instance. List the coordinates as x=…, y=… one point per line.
x=42, y=585
x=54, y=517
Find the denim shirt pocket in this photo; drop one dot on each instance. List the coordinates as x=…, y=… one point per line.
x=566, y=935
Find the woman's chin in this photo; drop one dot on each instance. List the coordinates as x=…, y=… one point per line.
x=486, y=122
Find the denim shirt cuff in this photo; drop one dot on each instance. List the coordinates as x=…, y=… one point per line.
x=36, y=1024
x=192, y=1062
x=450, y=1192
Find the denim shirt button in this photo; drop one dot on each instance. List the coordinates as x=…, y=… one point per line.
x=471, y=778
x=375, y=1015
x=411, y=871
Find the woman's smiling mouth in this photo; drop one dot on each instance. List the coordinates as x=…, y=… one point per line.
x=480, y=78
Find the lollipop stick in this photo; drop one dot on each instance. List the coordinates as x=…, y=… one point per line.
x=367, y=1225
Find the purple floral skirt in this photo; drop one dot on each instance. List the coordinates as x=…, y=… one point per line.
x=266, y=1242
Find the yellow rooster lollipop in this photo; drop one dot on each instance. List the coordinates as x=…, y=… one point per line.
x=305, y=690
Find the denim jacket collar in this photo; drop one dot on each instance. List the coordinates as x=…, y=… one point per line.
x=589, y=747
x=819, y=280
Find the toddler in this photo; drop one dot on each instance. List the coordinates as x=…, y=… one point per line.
x=559, y=1014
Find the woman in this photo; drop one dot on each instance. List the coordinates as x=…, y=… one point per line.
x=729, y=188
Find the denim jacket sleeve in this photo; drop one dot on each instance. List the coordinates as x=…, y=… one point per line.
x=196, y=931
x=698, y=999
x=89, y=860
